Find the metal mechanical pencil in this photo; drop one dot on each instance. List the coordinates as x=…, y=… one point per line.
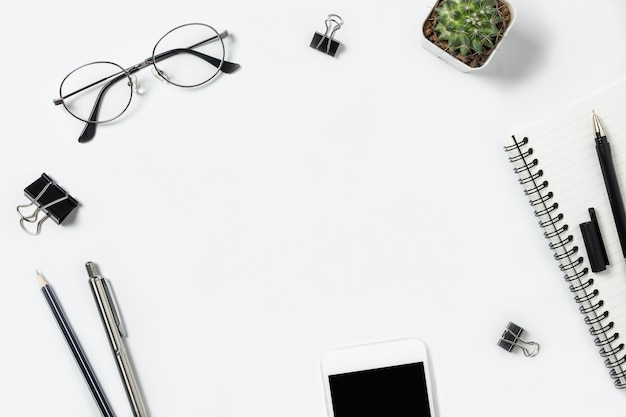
x=115, y=331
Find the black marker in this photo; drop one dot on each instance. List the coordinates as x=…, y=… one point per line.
x=610, y=180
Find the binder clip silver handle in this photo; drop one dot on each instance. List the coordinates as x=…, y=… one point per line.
x=511, y=338
x=48, y=197
x=32, y=218
x=326, y=42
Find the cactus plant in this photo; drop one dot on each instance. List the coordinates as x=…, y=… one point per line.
x=468, y=30
x=469, y=26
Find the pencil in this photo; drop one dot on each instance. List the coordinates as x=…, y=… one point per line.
x=75, y=348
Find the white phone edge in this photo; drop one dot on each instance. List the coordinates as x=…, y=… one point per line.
x=373, y=356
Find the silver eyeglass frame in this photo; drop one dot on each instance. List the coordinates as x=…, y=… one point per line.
x=126, y=74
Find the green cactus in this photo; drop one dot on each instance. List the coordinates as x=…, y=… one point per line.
x=469, y=26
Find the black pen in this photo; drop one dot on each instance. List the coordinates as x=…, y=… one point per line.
x=610, y=181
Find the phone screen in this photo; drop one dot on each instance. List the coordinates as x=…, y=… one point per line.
x=395, y=391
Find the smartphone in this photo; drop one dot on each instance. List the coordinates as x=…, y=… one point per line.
x=390, y=379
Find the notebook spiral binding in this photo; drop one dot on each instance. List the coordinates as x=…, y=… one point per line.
x=565, y=252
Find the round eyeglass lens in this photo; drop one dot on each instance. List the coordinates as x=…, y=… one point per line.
x=189, y=55
x=97, y=92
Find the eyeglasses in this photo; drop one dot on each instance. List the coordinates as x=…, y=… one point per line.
x=187, y=56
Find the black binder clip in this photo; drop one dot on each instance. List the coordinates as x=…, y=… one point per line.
x=512, y=338
x=596, y=252
x=49, y=198
x=325, y=43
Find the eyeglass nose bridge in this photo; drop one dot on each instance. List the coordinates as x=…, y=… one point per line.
x=148, y=62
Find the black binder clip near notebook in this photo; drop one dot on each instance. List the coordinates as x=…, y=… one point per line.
x=325, y=43
x=46, y=196
x=512, y=338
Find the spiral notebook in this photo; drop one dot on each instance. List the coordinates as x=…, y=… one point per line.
x=558, y=168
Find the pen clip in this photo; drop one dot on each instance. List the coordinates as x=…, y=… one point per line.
x=114, y=307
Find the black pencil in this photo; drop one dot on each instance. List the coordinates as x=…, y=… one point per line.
x=603, y=148
x=74, y=345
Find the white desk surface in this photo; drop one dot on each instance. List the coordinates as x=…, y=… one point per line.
x=302, y=204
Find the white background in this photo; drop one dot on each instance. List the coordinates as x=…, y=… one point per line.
x=302, y=204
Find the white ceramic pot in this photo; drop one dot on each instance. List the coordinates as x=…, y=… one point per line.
x=450, y=59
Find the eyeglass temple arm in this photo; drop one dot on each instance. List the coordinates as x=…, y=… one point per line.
x=227, y=67
x=89, y=131
x=58, y=101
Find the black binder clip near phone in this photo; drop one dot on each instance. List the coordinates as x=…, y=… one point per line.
x=48, y=197
x=325, y=43
x=512, y=338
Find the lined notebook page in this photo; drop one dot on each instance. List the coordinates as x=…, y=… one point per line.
x=564, y=147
